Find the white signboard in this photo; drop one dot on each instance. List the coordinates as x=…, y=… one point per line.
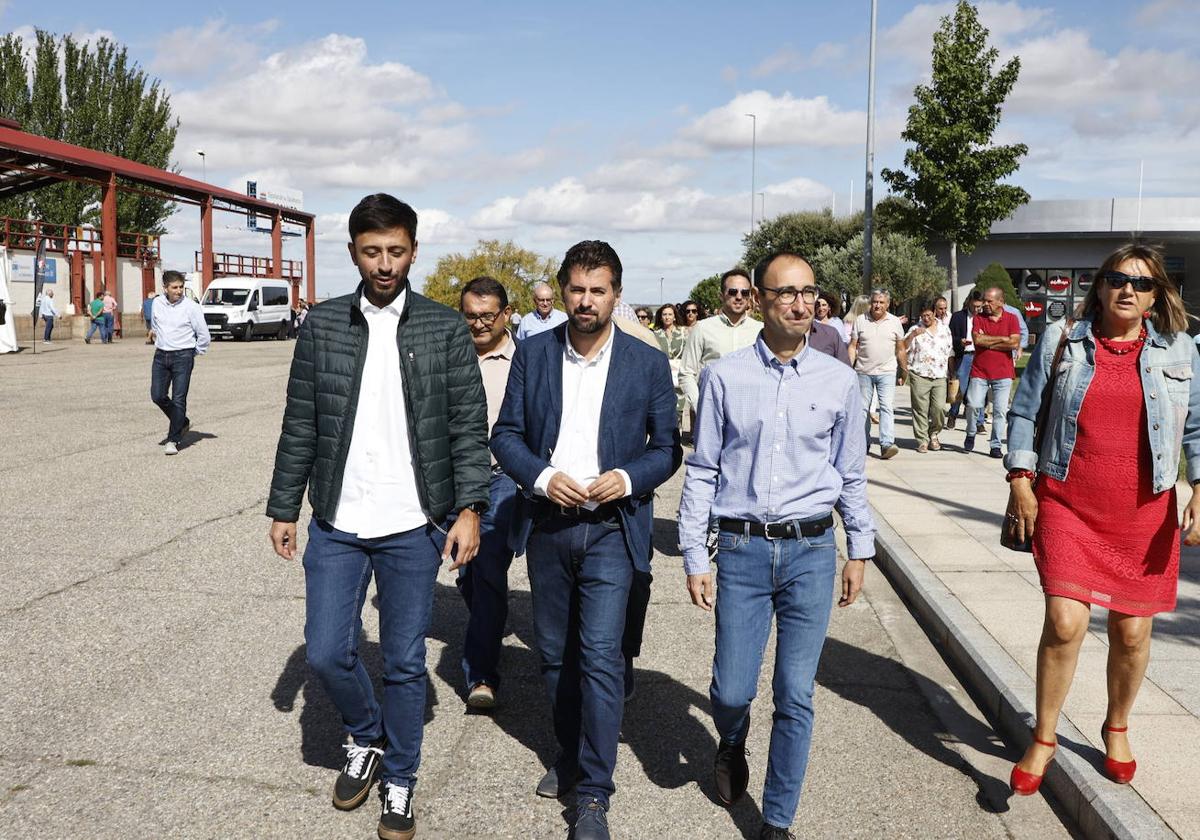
x=289, y=198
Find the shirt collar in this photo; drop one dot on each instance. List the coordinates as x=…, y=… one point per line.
x=395, y=307
x=725, y=319
x=505, y=350
x=575, y=356
x=769, y=359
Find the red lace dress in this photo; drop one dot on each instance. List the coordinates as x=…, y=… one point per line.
x=1103, y=535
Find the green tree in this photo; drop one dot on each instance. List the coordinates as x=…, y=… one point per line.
x=899, y=263
x=707, y=293
x=954, y=189
x=804, y=233
x=100, y=99
x=518, y=270
x=997, y=275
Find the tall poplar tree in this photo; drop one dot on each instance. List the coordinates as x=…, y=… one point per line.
x=954, y=191
x=99, y=99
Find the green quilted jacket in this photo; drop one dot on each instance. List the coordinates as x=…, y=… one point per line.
x=443, y=395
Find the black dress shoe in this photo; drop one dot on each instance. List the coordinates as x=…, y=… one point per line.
x=731, y=771
x=774, y=832
x=551, y=788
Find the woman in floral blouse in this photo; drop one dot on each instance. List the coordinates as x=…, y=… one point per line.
x=929, y=350
x=671, y=338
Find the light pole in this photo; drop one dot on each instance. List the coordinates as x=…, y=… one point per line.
x=203, y=165
x=660, y=292
x=868, y=199
x=762, y=210
x=753, y=164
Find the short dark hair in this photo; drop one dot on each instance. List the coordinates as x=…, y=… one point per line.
x=760, y=270
x=929, y=305
x=169, y=277
x=485, y=286
x=590, y=255
x=733, y=272
x=382, y=212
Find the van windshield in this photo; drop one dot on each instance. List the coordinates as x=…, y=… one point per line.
x=226, y=297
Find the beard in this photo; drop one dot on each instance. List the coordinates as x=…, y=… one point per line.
x=585, y=327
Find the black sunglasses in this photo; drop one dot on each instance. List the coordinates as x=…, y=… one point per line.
x=1118, y=279
x=737, y=293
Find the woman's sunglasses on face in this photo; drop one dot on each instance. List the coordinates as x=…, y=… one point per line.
x=1118, y=279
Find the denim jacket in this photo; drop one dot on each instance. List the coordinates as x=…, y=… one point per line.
x=1170, y=373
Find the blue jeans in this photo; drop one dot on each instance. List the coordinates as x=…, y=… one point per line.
x=49, y=319
x=977, y=393
x=94, y=325
x=106, y=328
x=794, y=580
x=884, y=385
x=580, y=576
x=172, y=369
x=337, y=569
x=483, y=583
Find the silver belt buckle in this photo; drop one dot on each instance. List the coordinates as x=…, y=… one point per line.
x=767, y=531
x=572, y=510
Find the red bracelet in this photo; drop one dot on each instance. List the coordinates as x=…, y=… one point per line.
x=1020, y=474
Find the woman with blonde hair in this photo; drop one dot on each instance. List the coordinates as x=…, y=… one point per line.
x=860, y=306
x=1115, y=397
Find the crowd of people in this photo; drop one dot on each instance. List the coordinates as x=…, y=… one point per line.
x=423, y=435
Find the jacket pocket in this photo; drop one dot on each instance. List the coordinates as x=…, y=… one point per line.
x=1178, y=379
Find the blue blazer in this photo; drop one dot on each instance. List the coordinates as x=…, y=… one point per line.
x=638, y=433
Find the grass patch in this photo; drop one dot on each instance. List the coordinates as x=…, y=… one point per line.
x=81, y=762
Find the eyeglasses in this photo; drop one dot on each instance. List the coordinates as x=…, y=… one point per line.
x=737, y=293
x=1118, y=279
x=787, y=296
x=691, y=311
x=642, y=316
x=488, y=318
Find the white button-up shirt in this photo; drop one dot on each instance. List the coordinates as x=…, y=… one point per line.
x=179, y=326
x=379, y=485
x=577, y=451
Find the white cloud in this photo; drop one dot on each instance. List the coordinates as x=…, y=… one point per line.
x=782, y=121
x=911, y=38
x=192, y=51
x=789, y=59
x=638, y=173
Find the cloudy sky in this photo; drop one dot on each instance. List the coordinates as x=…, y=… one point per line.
x=548, y=123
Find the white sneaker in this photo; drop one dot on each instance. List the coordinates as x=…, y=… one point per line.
x=169, y=448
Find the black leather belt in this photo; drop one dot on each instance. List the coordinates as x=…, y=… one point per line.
x=605, y=513
x=778, y=530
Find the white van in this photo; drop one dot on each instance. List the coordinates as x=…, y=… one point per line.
x=244, y=307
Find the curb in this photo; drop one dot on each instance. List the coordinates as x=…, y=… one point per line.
x=1100, y=809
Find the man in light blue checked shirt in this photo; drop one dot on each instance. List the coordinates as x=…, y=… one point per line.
x=779, y=445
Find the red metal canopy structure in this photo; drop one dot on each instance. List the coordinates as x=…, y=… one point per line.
x=29, y=162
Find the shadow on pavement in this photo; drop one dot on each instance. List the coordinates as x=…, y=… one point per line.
x=192, y=438
x=966, y=511
x=665, y=537
x=885, y=687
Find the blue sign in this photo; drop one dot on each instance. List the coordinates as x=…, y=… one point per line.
x=21, y=269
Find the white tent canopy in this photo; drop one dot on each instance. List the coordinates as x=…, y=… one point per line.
x=8, y=333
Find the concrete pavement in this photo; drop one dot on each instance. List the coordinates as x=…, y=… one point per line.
x=152, y=659
x=940, y=516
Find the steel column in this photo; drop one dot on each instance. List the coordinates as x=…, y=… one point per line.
x=206, y=242
x=277, y=245
x=108, y=233
x=310, y=257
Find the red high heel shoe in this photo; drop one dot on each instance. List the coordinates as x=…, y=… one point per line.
x=1027, y=784
x=1120, y=772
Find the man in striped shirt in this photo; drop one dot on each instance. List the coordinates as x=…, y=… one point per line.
x=779, y=445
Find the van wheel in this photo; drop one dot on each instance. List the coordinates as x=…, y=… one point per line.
x=283, y=331
x=247, y=332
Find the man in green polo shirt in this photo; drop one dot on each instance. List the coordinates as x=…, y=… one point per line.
x=96, y=313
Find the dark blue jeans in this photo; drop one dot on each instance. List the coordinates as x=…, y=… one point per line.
x=94, y=325
x=337, y=568
x=49, y=319
x=170, y=377
x=107, y=327
x=483, y=584
x=579, y=576
x=793, y=580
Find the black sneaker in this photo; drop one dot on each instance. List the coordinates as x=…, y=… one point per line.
x=996, y=453
x=591, y=821
x=354, y=783
x=969, y=443
x=396, y=820
x=774, y=832
x=731, y=771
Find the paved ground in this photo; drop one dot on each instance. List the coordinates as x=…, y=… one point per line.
x=155, y=686
x=947, y=507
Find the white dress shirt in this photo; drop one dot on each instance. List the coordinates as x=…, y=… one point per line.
x=179, y=326
x=577, y=452
x=379, y=485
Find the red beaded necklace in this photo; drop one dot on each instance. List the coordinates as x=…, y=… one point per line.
x=1109, y=344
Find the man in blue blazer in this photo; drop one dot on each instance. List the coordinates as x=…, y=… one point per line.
x=587, y=431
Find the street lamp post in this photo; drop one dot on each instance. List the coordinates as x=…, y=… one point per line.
x=762, y=210
x=203, y=165
x=753, y=164
x=868, y=198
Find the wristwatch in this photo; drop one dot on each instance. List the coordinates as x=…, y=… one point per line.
x=478, y=508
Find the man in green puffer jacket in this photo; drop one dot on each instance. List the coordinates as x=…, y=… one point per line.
x=386, y=425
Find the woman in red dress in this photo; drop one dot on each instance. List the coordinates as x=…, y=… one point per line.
x=1124, y=401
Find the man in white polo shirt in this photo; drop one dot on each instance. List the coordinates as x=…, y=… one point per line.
x=877, y=351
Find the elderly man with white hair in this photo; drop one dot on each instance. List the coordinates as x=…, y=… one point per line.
x=543, y=317
x=878, y=355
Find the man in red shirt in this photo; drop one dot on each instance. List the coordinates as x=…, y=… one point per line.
x=996, y=335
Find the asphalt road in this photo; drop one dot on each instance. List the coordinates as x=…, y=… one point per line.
x=154, y=684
